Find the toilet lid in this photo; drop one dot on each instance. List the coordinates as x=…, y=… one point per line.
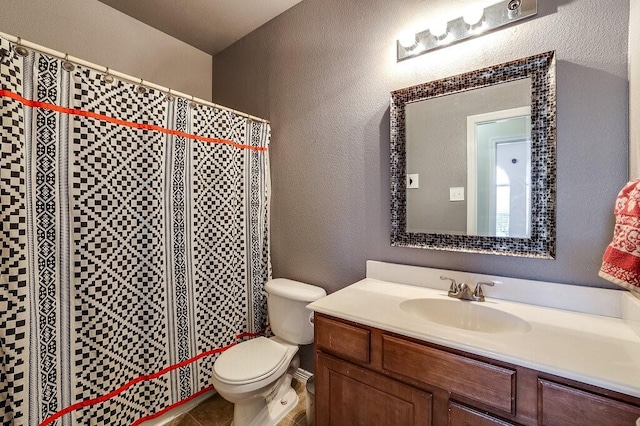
x=250, y=361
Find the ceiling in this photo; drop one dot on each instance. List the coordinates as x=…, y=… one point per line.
x=209, y=25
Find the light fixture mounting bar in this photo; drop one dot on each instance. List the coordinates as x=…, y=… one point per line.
x=494, y=17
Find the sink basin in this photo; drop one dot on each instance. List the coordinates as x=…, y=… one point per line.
x=465, y=315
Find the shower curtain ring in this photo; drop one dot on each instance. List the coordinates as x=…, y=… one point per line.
x=169, y=97
x=141, y=89
x=20, y=49
x=108, y=78
x=193, y=104
x=66, y=64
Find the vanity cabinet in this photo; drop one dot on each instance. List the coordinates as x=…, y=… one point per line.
x=367, y=376
x=461, y=415
x=353, y=395
x=565, y=405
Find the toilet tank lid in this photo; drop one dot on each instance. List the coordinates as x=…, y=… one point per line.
x=294, y=290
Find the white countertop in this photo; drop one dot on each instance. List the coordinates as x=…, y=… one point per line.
x=595, y=349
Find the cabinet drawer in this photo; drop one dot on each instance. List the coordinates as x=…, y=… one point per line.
x=564, y=405
x=459, y=415
x=491, y=385
x=344, y=340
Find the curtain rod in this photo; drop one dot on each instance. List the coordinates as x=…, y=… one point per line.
x=120, y=75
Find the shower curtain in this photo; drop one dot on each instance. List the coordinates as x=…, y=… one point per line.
x=135, y=243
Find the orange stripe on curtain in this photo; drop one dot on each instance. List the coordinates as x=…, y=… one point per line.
x=142, y=126
x=127, y=385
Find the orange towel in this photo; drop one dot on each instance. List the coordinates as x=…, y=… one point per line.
x=621, y=260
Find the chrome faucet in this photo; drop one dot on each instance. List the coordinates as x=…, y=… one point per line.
x=463, y=291
x=453, y=289
x=478, y=295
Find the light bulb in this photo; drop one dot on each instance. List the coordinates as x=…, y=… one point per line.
x=439, y=30
x=407, y=40
x=473, y=15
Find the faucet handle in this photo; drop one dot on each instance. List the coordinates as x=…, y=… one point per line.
x=478, y=294
x=454, y=286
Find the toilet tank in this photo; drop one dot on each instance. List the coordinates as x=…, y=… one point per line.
x=288, y=316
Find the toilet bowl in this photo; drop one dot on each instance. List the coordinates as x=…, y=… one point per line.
x=256, y=375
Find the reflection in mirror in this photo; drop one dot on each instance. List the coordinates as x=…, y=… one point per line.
x=451, y=143
x=473, y=161
x=499, y=173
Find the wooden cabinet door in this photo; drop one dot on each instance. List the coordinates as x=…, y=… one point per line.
x=563, y=405
x=460, y=415
x=350, y=395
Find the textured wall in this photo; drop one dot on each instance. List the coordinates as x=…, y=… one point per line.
x=322, y=73
x=634, y=90
x=95, y=32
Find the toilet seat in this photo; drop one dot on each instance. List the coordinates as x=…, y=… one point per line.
x=250, y=361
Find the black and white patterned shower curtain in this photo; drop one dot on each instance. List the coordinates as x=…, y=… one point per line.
x=134, y=244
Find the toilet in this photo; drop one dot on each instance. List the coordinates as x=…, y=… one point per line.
x=256, y=375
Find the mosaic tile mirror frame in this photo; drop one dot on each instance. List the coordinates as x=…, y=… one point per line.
x=540, y=242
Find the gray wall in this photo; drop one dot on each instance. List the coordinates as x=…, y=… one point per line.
x=634, y=88
x=95, y=32
x=322, y=73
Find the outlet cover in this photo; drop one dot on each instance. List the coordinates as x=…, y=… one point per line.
x=412, y=181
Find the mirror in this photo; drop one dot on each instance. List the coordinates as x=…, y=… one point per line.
x=470, y=134
x=473, y=161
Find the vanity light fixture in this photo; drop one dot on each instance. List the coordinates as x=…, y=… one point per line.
x=440, y=31
x=476, y=21
x=408, y=40
x=474, y=18
x=514, y=8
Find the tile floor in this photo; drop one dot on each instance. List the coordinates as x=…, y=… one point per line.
x=215, y=411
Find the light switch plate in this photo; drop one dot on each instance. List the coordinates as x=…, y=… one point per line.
x=456, y=193
x=413, y=181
